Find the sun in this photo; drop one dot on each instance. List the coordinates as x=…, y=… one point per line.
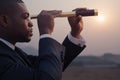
x=101, y=18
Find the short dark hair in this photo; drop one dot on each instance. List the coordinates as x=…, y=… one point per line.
x=6, y=4
x=10, y=1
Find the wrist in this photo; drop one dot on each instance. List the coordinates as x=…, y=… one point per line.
x=45, y=36
x=42, y=32
x=77, y=41
x=76, y=35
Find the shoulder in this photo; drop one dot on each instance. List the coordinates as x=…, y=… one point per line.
x=51, y=47
x=51, y=43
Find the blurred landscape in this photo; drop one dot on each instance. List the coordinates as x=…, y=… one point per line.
x=106, y=60
x=91, y=73
x=105, y=67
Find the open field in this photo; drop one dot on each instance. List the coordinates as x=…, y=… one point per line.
x=91, y=73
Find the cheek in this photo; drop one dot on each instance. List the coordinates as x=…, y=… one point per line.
x=18, y=27
x=23, y=25
x=21, y=28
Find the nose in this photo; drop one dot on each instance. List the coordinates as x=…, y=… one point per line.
x=30, y=24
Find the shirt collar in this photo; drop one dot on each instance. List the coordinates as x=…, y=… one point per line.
x=8, y=43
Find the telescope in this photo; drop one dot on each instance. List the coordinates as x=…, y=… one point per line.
x=84, y=13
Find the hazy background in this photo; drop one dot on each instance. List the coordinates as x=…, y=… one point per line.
x=102, y=36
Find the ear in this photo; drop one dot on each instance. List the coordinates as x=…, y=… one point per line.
x=3, y=20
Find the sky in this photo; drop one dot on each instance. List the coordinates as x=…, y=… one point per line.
x=101, y=32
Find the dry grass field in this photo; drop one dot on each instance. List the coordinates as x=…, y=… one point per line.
x=91, y=73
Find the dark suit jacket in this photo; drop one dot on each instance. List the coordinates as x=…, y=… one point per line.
x=17, y=65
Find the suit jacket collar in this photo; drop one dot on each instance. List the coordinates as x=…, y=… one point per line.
x=5, y=48
x=7, y=43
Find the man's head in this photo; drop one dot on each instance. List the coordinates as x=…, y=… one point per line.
x=15, y=25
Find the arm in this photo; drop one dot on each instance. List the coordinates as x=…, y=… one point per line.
x=49, y=50
x=73, y=48
x=71, y=51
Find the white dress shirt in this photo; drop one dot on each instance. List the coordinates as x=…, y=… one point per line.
x=8, y=43
x=81, y=42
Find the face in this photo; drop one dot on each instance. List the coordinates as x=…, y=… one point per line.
x=20, y=26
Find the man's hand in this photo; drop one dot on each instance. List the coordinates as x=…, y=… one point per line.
x=46, y=21
x=76, y=24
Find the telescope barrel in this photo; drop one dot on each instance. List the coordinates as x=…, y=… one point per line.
x=84, y=13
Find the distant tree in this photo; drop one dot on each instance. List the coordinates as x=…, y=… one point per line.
x=108, y=54
x=118, y=65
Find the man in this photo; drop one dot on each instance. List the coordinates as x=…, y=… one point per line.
x=15, y=26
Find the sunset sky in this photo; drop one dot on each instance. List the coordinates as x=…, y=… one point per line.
x=101, y=33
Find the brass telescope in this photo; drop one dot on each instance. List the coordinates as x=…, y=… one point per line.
x=91, y=12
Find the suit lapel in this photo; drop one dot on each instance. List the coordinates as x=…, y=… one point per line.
x=23, y=56
x=13, y=55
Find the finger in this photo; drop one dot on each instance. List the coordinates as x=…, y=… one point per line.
x=72, y=19
x=78, y=19
x=80, y=9
x=54, y=13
